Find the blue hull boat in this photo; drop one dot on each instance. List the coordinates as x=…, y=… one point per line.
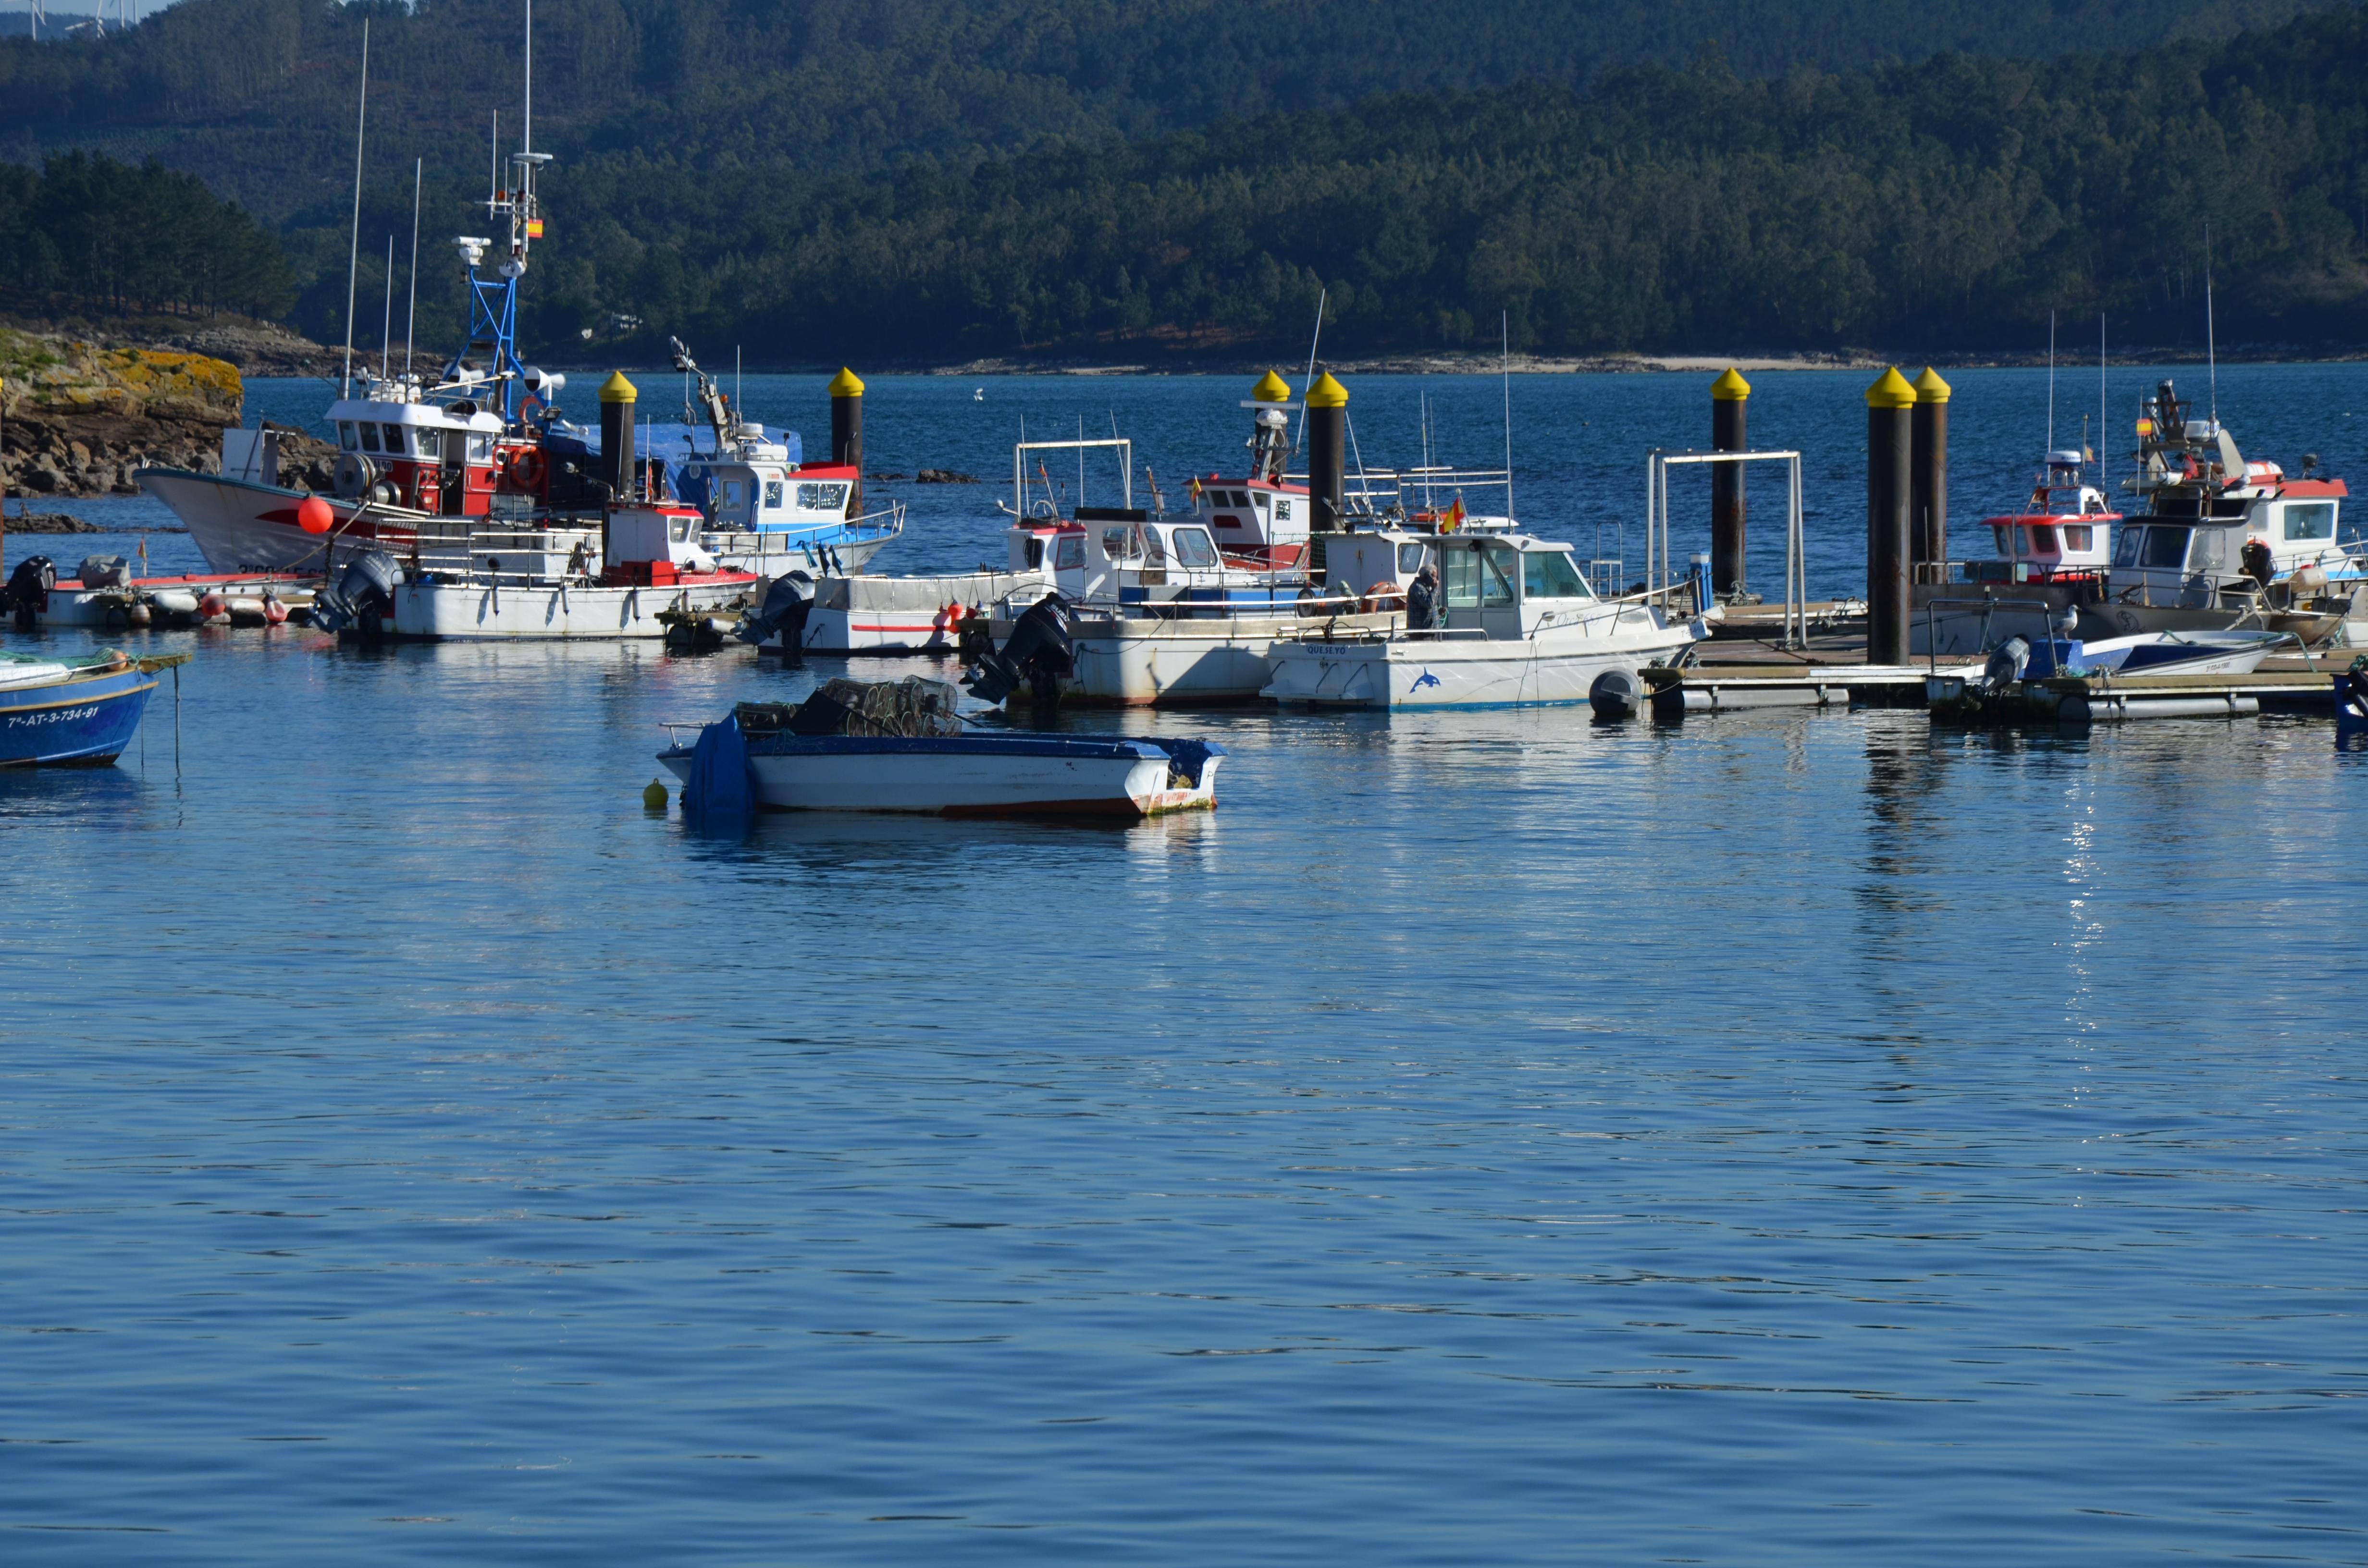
x=75, y=712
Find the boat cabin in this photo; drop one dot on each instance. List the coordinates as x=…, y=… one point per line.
x=444, y=459
x=1255, y=522
x=1113, y=556
x=652, y=544
x=1506, y=586
x=2271, y=529
x=758, y=486
x=2063, y=534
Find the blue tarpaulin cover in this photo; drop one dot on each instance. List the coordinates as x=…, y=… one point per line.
x=720, y=782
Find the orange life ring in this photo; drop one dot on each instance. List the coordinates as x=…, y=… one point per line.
x=526, y=468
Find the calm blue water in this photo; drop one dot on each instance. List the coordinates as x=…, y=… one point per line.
x=1791, y=1140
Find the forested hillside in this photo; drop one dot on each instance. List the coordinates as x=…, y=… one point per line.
x=927, y=179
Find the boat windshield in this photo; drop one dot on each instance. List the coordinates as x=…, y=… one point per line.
x=1549, y=575
x=1478, y=577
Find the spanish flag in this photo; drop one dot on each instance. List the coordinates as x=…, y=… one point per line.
x=534, y=228
x=1454, y=518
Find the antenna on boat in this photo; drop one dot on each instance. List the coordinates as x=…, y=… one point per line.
x=354, y=252
x=386, y=324
x=526, y=132
x=2098, y=458
x=494, y=168
x=1505, y=365
x=2050, y=380
x=411, y=316
x=1321, y=295
x=2211, y=338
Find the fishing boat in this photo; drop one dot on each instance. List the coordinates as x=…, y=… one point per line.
x=437, y=464
x=75, y=710
x=1182, y=611
x=900, y=748
x=527, y=584
x=2225, y=535
x=1521, y=627
x=104, y=595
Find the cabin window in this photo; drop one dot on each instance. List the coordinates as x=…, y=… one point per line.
x=2310, y=519
x=2022, y=539
x=2043, y=538
x=2211, y=548
x=1476, y=579
x=1998, y=531
x=679, y=530
x=2078, y=538
x=1257, y=499
x=1409, y=559
x=2125, y=553
x=346, y=437
x=1154, y=553
x=1115, y=543
x=1194, y=549
x=1549, y=575
x=2166, y=547
x=1282, y=508
x=822, y=497
x=431, y=441
x=394, y=440
x=480, y=448
x=1241, y=498
x=1068, y=555
x=772, y=495
x=1035, y=554
x=370, y=436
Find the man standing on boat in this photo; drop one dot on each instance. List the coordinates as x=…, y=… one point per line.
x=1422, y=599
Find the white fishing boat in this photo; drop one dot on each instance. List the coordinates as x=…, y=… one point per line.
x=899, y=747
x=528, y=585
x=102, y=594
x=1520, y=628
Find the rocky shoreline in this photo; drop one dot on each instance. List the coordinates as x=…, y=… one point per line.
x=82, y=419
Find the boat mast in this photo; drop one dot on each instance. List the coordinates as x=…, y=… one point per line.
x=386, y=322
x=2211, y=338
x=354, y=251
x=2050, y=380
x=411, y=316
x=1505, y=366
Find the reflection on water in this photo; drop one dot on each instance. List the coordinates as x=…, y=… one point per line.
x=1497, y=1137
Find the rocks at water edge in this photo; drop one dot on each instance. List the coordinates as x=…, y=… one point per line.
x=943, y=476
x=82, y=420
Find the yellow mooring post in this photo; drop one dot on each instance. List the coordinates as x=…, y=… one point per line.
x=618, y=396
x=1728, y=394
x=1928, y=484
x=847, y=431
x=1888, y=457
x=1327, y=447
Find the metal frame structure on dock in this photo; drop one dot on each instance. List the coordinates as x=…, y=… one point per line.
x=1657, y=530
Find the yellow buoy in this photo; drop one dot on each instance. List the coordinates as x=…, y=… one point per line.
x=654, y=799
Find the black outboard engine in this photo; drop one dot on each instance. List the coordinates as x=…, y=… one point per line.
x=2007, y=663
x=28, y=592
x=363, y=594
x=1036, y=656
x=787, y=604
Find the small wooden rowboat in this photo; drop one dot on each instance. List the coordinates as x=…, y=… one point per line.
x=76, y=711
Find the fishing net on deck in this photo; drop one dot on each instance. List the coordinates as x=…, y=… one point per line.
x=909, y=709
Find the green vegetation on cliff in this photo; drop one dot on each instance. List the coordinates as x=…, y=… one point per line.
x=933, y=178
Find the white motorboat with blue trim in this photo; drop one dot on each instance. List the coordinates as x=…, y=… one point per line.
x=1519, y=628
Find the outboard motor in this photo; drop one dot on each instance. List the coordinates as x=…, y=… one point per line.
x=2006, y=665
x=28, y=589
x=363, y=594
x=787, y=602
x=1036, y=654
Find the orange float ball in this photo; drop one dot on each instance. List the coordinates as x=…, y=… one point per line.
x=314, y=516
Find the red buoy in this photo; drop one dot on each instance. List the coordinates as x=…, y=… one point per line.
x=314, y=516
